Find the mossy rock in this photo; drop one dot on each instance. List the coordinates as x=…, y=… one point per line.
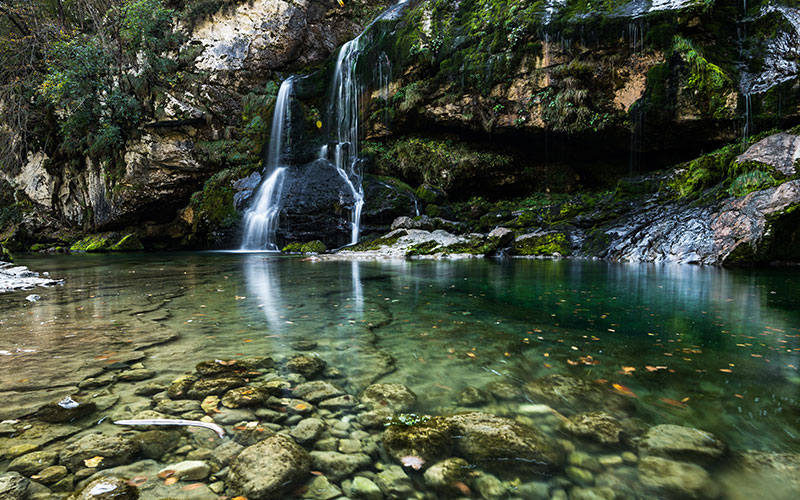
x=94, y=243
x=429, y=438
x=315, y=246
x=5, y=254
x=128, y=243
x=543, y=244
x=429, y=194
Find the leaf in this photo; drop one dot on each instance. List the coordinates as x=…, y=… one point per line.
x=627, y=370
x=170, y=480
x=192, y=486
x=623, y=390
x=93, y=462
x=165, y=473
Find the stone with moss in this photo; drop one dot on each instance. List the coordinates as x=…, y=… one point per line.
x=542, y=243
x=94, y=243
x=574, y=395
x=427, y=438
x=128, y=243
x=315, y=246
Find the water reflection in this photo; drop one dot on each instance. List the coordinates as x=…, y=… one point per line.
x=262, y=276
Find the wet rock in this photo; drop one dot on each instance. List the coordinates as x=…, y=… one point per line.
x=395, y=397
x=338, y=466
x=341, y=403
x=501, y=236
x=177, y=407
x=489, y=487
x=428, y=438
x=534, y=490
x=65, y=410
x=51, y=475
x=307, y=430
x=95, y=382
x=136, y=375
x=224, y=454
x=308, y=366
x=18, y=450
x=107, y=488
x=13, y=486
x=213, y=387
x=443, y=476
x=681, y=443
x=244, y=396
x=779, y=150
x=115, y=450
x=579, y=475
x=502, y=390
x=350, y=446
x=316, y=391
x=750, y=474
x=472, y=396
x=304, y=345
x=190, y=470
x=394, y=483
x=502, y=443
x=269, y=469
x=573, y=395
x=148, y=390
x=678, y=480
x=320, y=488
x=375, y=419
x=179, y=388
x=603, y=493
x=364, y=489
x=30, y=464
x=597, y=426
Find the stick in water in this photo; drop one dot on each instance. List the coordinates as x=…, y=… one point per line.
x=165, y=421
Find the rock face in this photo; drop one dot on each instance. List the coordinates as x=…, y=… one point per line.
x=269, y=469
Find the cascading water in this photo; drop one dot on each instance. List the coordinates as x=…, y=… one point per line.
x=261, y=219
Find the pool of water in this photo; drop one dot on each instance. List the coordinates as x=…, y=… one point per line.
x=707, y=348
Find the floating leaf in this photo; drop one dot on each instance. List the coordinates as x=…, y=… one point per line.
x=623, y=390
x=627, y=370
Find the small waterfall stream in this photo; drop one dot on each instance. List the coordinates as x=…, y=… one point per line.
x=261, y=219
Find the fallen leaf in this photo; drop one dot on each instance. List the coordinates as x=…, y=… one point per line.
x=170, y=480
x=316, y=472
x=726, y=370
x=165, y=473
x=463, y=488
x=93, y=462
x=627, y=370
x=471, y=355
x=672, y=402
x=623, y=390
x=192, y=486
x=239, y=498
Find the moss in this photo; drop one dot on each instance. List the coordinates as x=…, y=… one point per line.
x=425, y=437
x=425, y=248
x=376, y=244
x=546, y=244
x=128, y=243
x=315, y=246
x=93, y=243
x=5, y=254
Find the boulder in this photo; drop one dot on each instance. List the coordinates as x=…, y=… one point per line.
x=307, y=366
x=679, y=480
x=596, y=426
x=425, y=438
x=269, y=469
x=114, y=450
x=316, y=391
x=681, y=443
x=307, y=430
x=395, y=397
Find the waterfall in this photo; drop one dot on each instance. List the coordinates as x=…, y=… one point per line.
x=261, y=219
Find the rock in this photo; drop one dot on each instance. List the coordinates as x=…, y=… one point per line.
x=681, y=443
x=402, y=222
x=629, y=457
x=149, y=389
x=677, y=479
x=244, y=396
x=214, y=387
x=190, y=470
x=65, y=410
x=269, y=469
x=579, y=475
x=107, y=488
x=376, y=419
x=18, y=450
x=496, y=442
x=395, y=397
x=584, y=460
x=341, y=403
x=603, y=493
x=307, y=430
x=779, y=150
x=304, y=345
x=364, y=489
x=394, y=483
x=224, y=454
x=489, y=487
x=751, y=474
x=428, y=438
x=502, y=390
x=308, y=366
x=178, y=407
x=30, y=464
x=320, y=488
x=179, y=388
x=51, y=475
x=99, y=381
x=231, y=367
x=534, y=490
x=502, y=236
x=472, y=396
x=316, y=391
x=597, y=426
x=443, y=476
x=13, y=486
x=136, y=375
x=350, y=446
x=338, y=466
x=115, y=451
x=573, y=395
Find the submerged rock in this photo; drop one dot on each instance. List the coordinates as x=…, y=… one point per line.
x=107, y=488
x=316, y=391
x=597, y=426
x=758, y=474
x=444, y=476
x=677, y=480
x=428, y=438
x=569, y=394
x=681, y=443
x=395, y=397
x=13, y=486
x=338, y=466
x=114, y=450
x=190, y=470
x=270, y=469
x=307, y=366
x=394, y=483
x=364, y=489
x=65, y=410
x=30, y=464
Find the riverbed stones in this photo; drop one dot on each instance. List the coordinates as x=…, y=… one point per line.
x=363, y=489
x=338, y=466
x=178, y=407
x=501, y=443
x=574, y=395
x=394, y=483
x=13, y=486
x=179, y=388
x=427, y=438
x=307, y=366
x=681, y=443
x=596, y=426
x=244, y=396
x=107, y=488
x=189, y=470
x=51, y=475
x=30, y=464
x=269, y=469
x=445, y=475
x=320, y=488
x=307, y=430
x=472, y=396
x=67, y=409
x=115, y=450
x=395, y=397
x=214, y=386
x=679, y=480
x=316, y=391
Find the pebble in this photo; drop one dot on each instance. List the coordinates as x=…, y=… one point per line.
x=350, y=446
x=579, y=475
x=190, y=470
x=610, y=460
x=629, y=457
x=363, y=489
x=51, y=474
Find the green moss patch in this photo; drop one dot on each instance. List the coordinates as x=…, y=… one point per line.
x=542, y=244
x=315, y=246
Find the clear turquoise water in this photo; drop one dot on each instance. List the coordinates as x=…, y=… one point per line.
x=452, y=324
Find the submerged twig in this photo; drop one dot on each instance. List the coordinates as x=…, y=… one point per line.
x=165, y=421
